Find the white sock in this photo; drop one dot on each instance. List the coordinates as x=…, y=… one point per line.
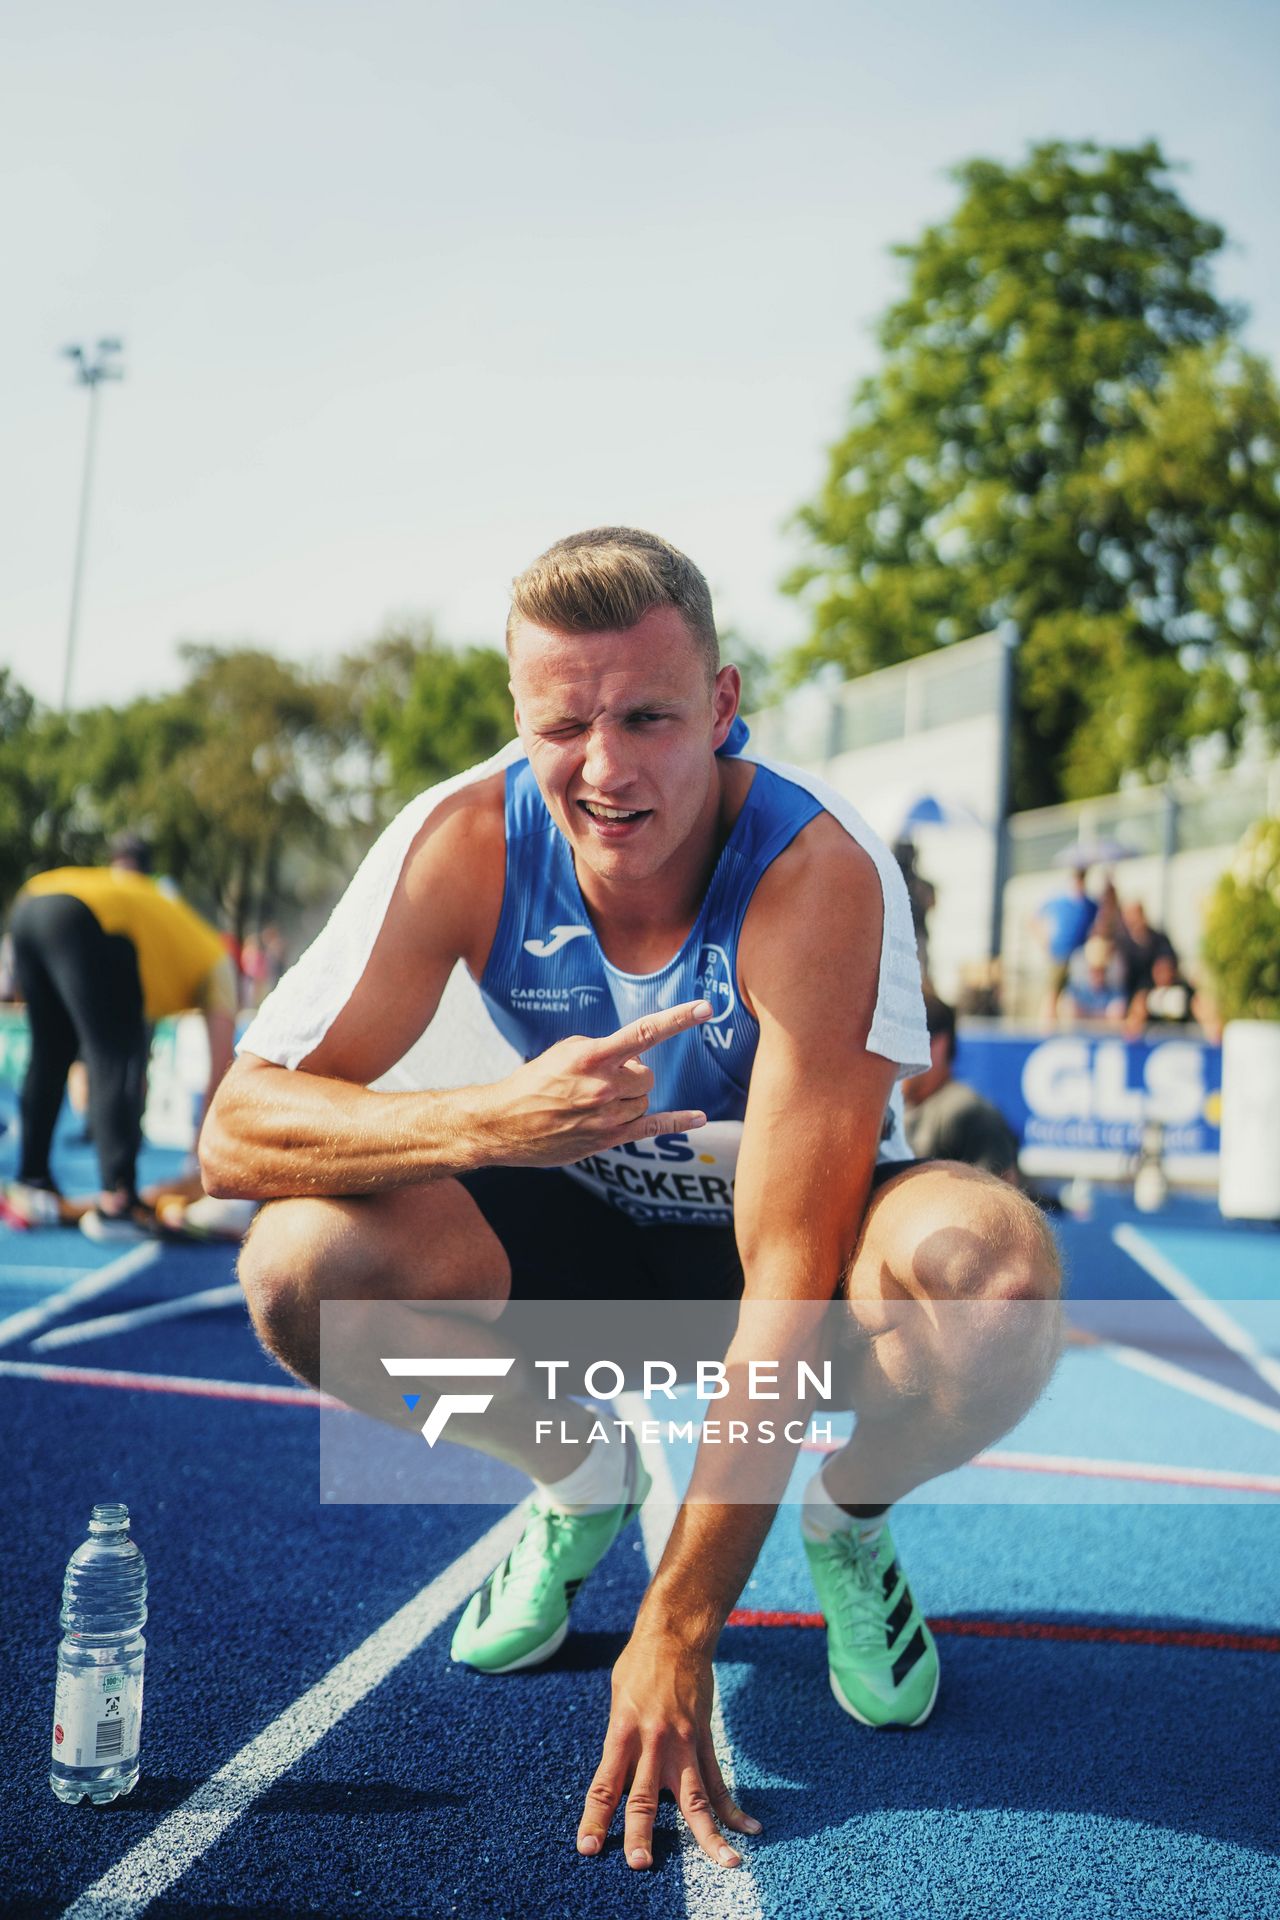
x=820, y=1515
x=596, y=1483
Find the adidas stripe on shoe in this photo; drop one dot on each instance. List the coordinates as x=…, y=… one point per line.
x=520, y=1616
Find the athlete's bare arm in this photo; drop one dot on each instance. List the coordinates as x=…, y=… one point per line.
x=809, y=966
x=275, y=1132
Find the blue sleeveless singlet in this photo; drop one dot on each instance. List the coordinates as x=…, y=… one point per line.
x=547, y=978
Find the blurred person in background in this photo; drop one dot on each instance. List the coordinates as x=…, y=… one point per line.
x=1095, y=984
x=1168, y=999
x=1141, y=945
x=262, y=962
x=1108, y=921
x=1065, y=922
x=949, y=1120
x=101, y=954
x=923, y=898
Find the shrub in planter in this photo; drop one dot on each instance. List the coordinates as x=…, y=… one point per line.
x=1242, y=928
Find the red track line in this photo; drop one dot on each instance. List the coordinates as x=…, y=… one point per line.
x=246, y=1391
x=1044, y=1630
x=166, y=1383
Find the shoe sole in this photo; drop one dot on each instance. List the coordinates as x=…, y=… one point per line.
x=534, y=1659
x=875, y=1725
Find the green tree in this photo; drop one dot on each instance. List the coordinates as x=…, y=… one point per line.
x=759, y=669
x=231, y=777
x=1242, y=929
x=435, y=710
x=19, y=791
x=1064, y=432
x=243, y=778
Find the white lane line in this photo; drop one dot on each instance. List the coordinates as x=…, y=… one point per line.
x=1208, y=1311
x=20, y=1326
x=150, y=1868
x=1193, y=1383
x=709, y=1891
x=62, y=1375
x=209, y=1300
x=12, y=1270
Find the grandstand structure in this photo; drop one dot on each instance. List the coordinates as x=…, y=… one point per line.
x=923, y=748
x=922, y=751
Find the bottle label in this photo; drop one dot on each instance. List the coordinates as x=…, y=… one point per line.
x=97, y=1718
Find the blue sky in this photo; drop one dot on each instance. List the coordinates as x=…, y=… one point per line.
x=408, y=290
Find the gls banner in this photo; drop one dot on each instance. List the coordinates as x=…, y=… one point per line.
x=1078, y=1101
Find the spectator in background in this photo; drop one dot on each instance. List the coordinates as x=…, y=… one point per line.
x=1169, y=1000
x=923, y=897
x=101, y=954
x=947, y=1120
x=1095, y=985
x=1065, y=923
x=1141, y=945
x=1108, y=921
x=262, y=963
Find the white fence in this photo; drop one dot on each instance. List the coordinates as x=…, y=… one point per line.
x=932, y=728
x=928, y=730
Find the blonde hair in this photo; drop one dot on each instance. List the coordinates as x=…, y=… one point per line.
x=606, y=580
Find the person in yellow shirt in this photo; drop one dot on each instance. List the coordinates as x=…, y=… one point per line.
x=101, y=954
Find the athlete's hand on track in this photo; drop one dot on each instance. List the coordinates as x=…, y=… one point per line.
x=582, y=1096
x=660, y=1736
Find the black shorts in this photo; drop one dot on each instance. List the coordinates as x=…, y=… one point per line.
x=565, y=1244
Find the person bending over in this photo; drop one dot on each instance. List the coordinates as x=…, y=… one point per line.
x=676, y=937
x=101, y=953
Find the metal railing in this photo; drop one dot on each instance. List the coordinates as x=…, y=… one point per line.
x=1178, y=817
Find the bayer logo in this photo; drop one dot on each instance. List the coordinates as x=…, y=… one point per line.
x=714, y=982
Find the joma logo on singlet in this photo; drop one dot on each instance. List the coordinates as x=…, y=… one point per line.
x=558, y=937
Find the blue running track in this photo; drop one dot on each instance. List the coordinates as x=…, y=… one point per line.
x=1104, y=1746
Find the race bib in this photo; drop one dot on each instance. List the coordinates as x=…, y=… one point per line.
x=677, y=1179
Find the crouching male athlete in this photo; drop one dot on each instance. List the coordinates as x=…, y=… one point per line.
x=624, y=880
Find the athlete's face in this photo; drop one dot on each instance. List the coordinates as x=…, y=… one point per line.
x=621, y=731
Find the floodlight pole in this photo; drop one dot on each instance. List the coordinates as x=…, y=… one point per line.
x=89, y=373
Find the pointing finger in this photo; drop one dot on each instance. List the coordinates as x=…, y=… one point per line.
x=650, y=1125
x=649, y=1030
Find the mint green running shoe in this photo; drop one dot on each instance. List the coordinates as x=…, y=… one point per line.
x=520, y=1616
x=881, y=1656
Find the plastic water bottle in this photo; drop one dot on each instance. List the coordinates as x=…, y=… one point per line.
x=97, y=1713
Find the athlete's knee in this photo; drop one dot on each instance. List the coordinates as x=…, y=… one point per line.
x=291, y=1258
x=996, y=1247
x=959, y=1234
x=957, y=1280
